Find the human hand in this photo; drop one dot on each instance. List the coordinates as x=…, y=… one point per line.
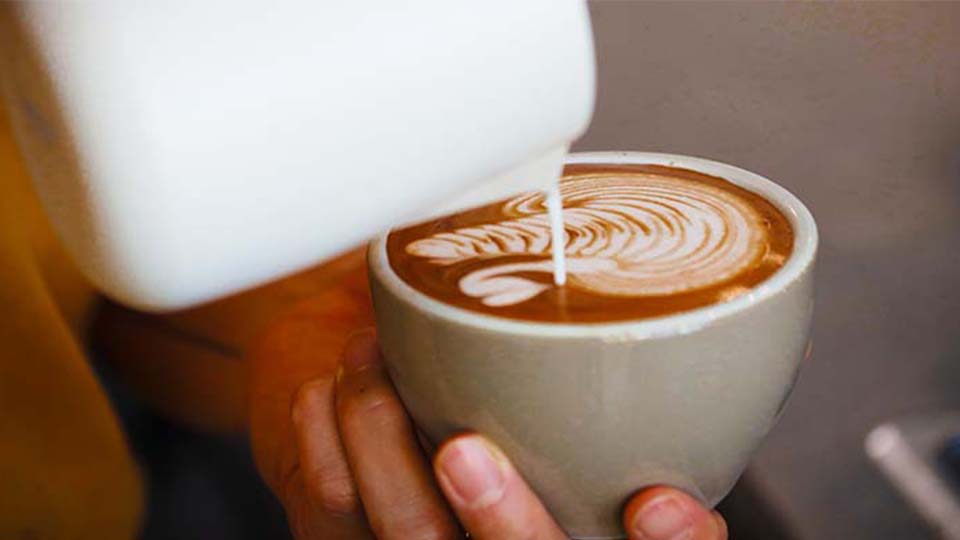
x=344, y=459
x=361, y=473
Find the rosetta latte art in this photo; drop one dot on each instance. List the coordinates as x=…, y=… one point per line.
x=631, y=235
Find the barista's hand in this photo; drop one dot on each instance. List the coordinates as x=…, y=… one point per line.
x=339, y=450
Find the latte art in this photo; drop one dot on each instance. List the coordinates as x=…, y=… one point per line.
x=638, y=240
x=631, y=235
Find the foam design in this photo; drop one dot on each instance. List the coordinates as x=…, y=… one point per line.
x=624, y=235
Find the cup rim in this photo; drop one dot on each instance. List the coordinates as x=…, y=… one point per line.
x=800, y=260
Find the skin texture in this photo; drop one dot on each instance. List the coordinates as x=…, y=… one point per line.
x=333, y=441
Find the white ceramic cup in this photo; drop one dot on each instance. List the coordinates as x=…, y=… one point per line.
x=591, y=413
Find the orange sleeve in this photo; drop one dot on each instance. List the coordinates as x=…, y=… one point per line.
x=65, y=469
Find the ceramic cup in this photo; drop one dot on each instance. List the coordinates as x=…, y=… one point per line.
x=591, y=413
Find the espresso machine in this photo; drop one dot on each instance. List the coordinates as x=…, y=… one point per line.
x=186, y=151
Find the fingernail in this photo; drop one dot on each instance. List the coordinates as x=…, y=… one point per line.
x=473, y=471
x=359, y=353
x=663, y=518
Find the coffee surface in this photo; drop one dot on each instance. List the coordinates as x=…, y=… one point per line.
x=640, y=241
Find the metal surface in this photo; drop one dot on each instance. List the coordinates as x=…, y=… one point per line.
x=908, y=452
x=856, y=109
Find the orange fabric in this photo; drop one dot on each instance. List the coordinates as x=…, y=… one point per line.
x=65, y=471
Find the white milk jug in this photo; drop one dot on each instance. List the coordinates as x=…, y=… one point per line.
x=188, y=150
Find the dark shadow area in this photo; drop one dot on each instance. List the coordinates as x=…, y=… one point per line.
x=750, y=517
x=199, y=486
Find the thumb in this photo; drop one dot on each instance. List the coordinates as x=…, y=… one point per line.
x=488, y=494
x=663, y=513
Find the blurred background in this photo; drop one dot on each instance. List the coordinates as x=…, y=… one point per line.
x=854, y=107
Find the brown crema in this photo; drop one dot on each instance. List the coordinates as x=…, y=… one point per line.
x=641, y=241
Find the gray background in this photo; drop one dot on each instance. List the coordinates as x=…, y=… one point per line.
x=856, y=109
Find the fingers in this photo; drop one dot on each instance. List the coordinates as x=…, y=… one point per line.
x=309, y=521
x=488, y=495
x=304, y=344
x=391, y=474
x=290, y=419
x=327, y=484
x=663, y=513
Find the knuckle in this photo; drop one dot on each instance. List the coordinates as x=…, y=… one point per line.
x=331, y=488
x=338, y=497
x=373, y=399
x=307, y=398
